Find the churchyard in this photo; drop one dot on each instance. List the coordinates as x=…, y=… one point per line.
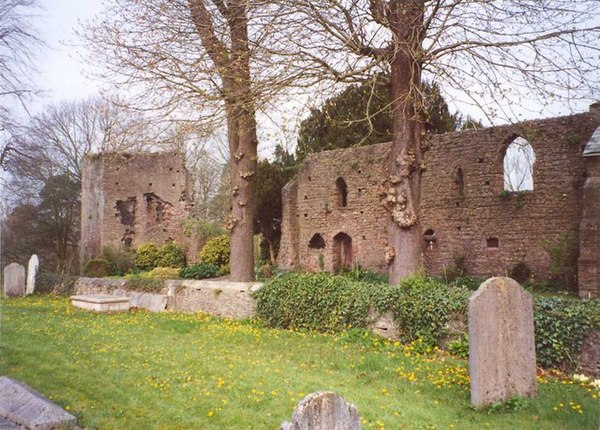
x=175, y=370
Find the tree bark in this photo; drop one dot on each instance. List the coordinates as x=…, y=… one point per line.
x=233, y=65
x=404, y=235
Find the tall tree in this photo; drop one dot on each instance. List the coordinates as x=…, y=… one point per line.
x=213, y=58
x=17, y=43
x=49, y=229
x=496, y=53
x=362, y=115
x=55, y=141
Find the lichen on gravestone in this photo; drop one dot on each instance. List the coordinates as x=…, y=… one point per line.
x=324, y=410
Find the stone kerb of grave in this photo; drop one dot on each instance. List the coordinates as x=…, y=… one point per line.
x=324, y=410
x=501, y=343
x=14, y=280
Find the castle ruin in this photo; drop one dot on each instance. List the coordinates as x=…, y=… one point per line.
x=334, y=215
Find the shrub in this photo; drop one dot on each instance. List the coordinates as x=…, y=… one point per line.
x=423, y=306
x=164, y=273
x=200, y=271
x=146, y=256
x=561, y=324
x=317, y=301
x=520, y=273
x=364, y=275
x=170, y=255
x=216, y=251
x=97, y=268
x=54, y=283
x=122, y=261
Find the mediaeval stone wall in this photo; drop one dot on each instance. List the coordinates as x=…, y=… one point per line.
x=465, y=211
x=129, y=199
x=313, y=206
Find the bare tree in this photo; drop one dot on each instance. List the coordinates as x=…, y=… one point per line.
x=217, y=59
x=17, y=42
x=56, y=140
x=497, y=54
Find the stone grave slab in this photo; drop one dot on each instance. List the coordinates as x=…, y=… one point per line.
x=26, y=407
x=324, y=410
x=32, y=269
x=14, y=280
x=501, y=343
x=101, y=303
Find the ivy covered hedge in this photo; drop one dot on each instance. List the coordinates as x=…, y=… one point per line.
x=421, y=307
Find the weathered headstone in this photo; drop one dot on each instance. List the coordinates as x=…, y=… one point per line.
x=324, y=410
x=32, y=268
x=26, y=407
x=14, y=280
x=501, y=343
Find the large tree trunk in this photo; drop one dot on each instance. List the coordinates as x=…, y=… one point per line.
x=241, y=130
x=232, y=63
x=404, y=236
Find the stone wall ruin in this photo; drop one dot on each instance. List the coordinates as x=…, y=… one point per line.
x=129, y=199
x=333, y=214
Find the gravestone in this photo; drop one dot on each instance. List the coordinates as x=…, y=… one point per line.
x=14, y=280
x=324, y=410
x=28, y=408
x=32, y=269
x=501, y=343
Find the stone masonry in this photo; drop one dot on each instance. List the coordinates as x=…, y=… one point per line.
x=129, y=199
x=333, y=214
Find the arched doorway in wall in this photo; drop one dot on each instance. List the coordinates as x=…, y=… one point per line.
x=342, y=252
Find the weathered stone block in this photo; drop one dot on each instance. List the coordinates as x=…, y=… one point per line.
x=25, y=406
x=501, y=343
x=14, y=280
x=101, y=303
x=324, y=410
x=32, y=269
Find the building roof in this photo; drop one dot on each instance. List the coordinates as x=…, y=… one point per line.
x=593, y=146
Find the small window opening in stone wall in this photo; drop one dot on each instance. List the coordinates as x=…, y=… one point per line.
x=459, y=181
x=492, y=242
x=126, y=211
x=342, y=191
x=518, y=166
x=430, y=239
x=316, y=242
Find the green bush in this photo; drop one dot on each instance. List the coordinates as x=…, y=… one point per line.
x=54, y=283
x=122, y=261
x=170, y=255
x=421, y=307
x=200, y=271
x=97, y=268
x=146, y=256
x=164, y=273
x=216, y=251
x=364, y=275
x=561, y=324
x=317, y=301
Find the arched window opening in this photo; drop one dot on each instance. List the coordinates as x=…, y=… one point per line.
x=460, y=181
x=430, y=239
x=518, y=166
x=342, y=252
x=316, y=242
x=342, y=191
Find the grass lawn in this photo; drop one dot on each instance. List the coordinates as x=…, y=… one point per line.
x=140, y=370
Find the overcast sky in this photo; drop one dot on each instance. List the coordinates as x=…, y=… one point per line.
x=62, y=75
